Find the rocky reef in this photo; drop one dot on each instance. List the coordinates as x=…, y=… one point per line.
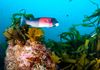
x=28, y=50
x=31, y=56
x=25, y=49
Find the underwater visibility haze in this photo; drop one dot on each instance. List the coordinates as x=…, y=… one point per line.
x=49, y=34
x=67, y=12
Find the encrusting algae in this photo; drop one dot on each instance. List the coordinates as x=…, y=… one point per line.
x=31, y=56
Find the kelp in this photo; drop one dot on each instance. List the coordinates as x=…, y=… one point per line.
x=73, y=52
x=73, y=38
x=55, y=47
x=19, y=31
x=16, y=33
x=35, y=34
x=72, y=59
x=71, y=35
x=96, y=65
x=55, y=58
x=95, y=15
x=17, y=17
x=8, y=33
x=79, y=52
x=95, y=20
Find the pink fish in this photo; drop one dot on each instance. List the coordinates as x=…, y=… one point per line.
x=42, y=22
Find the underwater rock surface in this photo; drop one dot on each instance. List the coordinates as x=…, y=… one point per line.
x=25, y=50
x=31, y=56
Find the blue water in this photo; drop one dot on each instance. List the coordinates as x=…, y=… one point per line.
x=67, y=12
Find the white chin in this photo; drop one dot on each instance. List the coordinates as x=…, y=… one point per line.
x=57, y=24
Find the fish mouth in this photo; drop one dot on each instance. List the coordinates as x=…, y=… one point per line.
x=57, y=24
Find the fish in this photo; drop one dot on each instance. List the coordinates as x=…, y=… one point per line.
x=41, y=22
